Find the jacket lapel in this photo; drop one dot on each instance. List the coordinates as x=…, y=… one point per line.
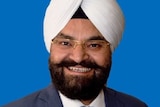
x=110, y=98
x=51, y=97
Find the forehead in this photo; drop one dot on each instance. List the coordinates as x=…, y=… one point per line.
x=80, y=28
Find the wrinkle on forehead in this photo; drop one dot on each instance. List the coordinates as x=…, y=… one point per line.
x=81, y=29
x=94, y=37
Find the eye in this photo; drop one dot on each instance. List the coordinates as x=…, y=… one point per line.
x=65, y=43
x=94, y=44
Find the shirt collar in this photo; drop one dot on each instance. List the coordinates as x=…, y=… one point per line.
x=99, y=101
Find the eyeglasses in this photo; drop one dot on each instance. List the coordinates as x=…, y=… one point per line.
x=89, y=45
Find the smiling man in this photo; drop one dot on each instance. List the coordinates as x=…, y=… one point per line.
x=80, y=36
x=82, y=68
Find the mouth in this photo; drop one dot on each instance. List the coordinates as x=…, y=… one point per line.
x=79, y=69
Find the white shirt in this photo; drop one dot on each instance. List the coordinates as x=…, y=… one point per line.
x=99, y=101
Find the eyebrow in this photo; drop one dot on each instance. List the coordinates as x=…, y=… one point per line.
x=97, y=37
x=61, y=35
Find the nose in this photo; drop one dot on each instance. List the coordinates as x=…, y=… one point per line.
x=79, y=54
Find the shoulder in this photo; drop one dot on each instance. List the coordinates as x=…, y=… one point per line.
x=26, y=101
x=119, y=98
x=36, y=99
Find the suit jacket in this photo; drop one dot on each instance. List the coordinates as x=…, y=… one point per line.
x=49, y=97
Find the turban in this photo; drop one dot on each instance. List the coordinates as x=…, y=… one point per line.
x=106, y=16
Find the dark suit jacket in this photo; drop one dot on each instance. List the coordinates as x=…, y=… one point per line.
x=49, y=97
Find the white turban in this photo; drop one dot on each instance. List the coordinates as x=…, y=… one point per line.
x=106, y=15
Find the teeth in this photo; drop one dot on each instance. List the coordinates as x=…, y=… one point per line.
x=79, y=69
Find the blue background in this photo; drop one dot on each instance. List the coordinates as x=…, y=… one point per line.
x=24, y=59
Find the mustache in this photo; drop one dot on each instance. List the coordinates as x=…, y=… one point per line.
x=87, y=64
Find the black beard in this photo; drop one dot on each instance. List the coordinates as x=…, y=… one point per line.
x=79, y=87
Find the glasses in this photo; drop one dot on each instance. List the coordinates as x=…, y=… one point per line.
x=89, y=45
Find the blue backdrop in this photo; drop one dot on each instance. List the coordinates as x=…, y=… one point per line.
x=24, y=59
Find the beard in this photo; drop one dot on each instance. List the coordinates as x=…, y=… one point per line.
x=79, y=87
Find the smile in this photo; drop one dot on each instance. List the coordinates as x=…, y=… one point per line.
x=79, y=69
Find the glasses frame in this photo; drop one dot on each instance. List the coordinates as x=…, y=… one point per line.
x=81, y=43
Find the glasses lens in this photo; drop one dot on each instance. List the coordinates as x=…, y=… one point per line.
x=91, y=45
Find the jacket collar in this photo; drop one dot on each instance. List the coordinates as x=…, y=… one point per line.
x=111, y=99
x=51, y=96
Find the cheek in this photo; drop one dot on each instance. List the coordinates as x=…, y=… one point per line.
x=103, y=59
x=56, y=56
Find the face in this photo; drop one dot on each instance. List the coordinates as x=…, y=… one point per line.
x=79, y=71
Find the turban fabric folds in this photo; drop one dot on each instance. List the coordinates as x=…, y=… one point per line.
x=106, y=16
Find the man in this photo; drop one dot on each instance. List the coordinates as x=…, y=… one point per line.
x=80, y=36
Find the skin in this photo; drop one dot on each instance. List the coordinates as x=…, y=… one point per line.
x=81, y=30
